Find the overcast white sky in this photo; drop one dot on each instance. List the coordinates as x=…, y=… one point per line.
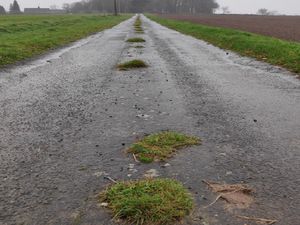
x=235, y=6
x=251, y=6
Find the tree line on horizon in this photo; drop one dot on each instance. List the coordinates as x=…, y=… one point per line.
x=139, y=6
x=133, y=6
x=14, y=8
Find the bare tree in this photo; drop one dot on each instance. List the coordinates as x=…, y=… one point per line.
x=115, y=8
x=14, y=8
x=66, y=7
x=225, y=10
x=2, y=10
x=53, y=7
x=263, y=12
x=274, y=13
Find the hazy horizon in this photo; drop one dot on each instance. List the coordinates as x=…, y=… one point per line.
x=289, y=7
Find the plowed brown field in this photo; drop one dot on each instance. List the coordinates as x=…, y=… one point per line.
x=284, y=27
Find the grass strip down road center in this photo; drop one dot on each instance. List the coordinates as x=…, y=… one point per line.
x=274, y=51
x=24, y=36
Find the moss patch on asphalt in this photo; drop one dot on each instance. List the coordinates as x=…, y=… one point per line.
x=139, y=46
x=136, y=39
x=160, y=146
x=148, y=202
x=133, y=64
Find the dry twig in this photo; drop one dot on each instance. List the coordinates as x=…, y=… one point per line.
x=135, y=159
x=109, y=178
x=219, y=196
x=258, y=220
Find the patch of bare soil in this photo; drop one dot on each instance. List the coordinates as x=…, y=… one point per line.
x=283, y=27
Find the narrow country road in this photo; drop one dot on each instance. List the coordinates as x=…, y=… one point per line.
x=67, y=118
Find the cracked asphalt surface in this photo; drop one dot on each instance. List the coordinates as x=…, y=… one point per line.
x=67, y=117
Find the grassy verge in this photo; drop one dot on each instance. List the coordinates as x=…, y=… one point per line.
x=133, y=64
x=24, y=36
x=274, y=51
x=161, y=146
x=152, y=202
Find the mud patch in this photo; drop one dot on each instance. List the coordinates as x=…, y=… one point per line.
x=235, y=195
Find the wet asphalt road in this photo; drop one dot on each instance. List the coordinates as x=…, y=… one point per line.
x=67, y=117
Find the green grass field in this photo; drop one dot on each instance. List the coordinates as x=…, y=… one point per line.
x=24, y=36
x=274, y=51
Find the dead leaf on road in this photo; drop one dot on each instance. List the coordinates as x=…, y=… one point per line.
x=237, y=195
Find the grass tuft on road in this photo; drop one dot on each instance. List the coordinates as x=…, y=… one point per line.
x=160, y=146
x=274, y=51
x=148, y=202
x=136, y=39
x=133, y=64
x=139, y=31
x=138, y=26
x=138, y=22
x=24, y=36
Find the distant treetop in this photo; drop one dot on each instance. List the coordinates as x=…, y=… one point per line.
x=14, y=7
x=2, y=10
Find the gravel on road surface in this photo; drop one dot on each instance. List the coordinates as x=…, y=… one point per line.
x=67, y=118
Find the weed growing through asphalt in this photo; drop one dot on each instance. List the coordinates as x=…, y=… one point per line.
x=136, y=39
x=139, y=46
x=148, y=202
x=160, y=146
x=133, y=64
